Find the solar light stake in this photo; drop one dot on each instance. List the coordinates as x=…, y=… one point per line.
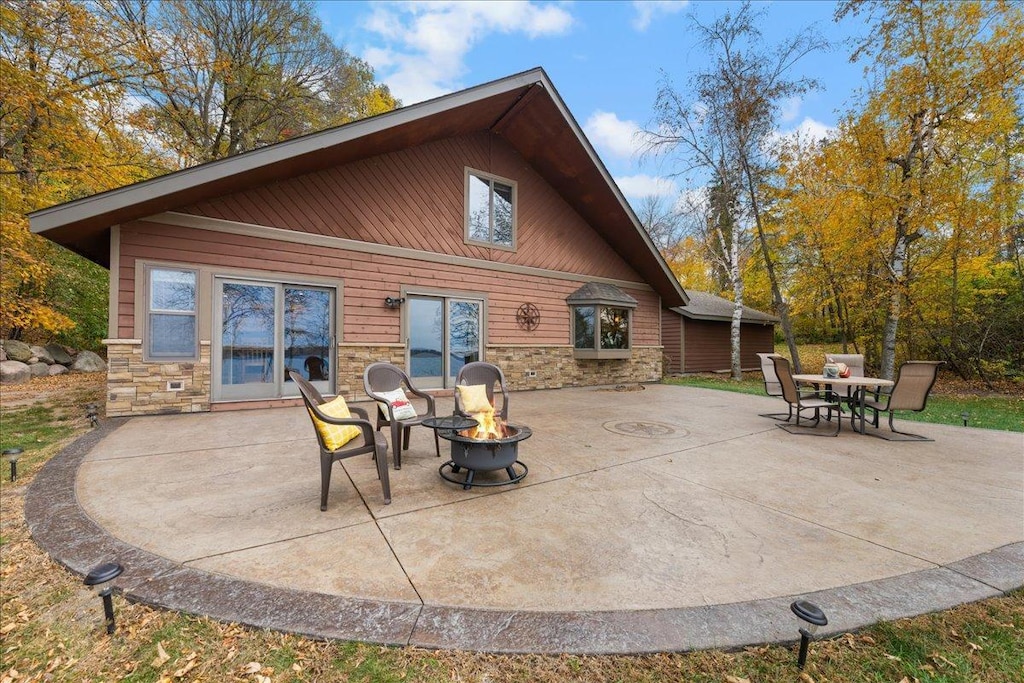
x=965, y=416
x=12, y=455
x=92, y=412
x=99, y=576
x=811, y=615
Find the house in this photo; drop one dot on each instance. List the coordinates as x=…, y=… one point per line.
x=478, y=225
x=697, y=336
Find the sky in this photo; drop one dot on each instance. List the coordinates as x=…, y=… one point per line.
x=605, y=59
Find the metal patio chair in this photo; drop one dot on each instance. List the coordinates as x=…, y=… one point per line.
x=772, y=386
x=369, y=441
x=801, y=400
x=913, y=384
x=379, y=378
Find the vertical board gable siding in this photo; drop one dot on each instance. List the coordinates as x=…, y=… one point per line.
x=671, y=339
x=367, y=279
x=415, y=198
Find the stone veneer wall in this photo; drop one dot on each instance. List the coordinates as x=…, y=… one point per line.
x=353, y=359
x=555, y=367
x=136, y=387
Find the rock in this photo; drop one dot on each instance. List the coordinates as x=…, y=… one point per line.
x=3, y=354
x=58, y=354
x=39, y=369
x=87, y=361
x=56, y=369
x=43, y=355
x=16, y=350
x=14, y=372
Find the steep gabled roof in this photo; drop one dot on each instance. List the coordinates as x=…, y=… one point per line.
x=706, y=306
x=525, y=109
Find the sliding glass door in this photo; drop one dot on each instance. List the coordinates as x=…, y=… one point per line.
x=443, y=335
x=267, y=329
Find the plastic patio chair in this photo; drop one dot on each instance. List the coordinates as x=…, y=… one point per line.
x=487, y=374
x=379, y=378
x=913, y=384
x=370, y=441
x=800, y=401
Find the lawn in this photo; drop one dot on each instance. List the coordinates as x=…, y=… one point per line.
x=51, y=626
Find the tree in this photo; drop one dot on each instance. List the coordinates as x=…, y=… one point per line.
x=724, y=126
x=227, y=77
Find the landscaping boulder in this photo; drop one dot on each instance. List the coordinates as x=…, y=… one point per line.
x=87, y=361
x=39, y=369
x=16, y=350
x=56, y=369
x=58, y=354
x=14, y=372
x=43, y=355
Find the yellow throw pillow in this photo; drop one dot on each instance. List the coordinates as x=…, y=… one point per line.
x=474, y=398
x=335, y=436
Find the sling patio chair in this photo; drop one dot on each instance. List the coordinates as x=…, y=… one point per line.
x=488, y=375
x=913, y=384
x=855, y=362
x=342, y=437
x=801, y=400
x=383, y=383
x=772, y=386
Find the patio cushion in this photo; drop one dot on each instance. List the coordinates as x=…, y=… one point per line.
x=474, y=398
x=400, y=405
x=335, y=436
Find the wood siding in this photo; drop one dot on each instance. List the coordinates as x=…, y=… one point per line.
x=415, y=198
x=672, y=339
x=708, y=349
x=366, y=280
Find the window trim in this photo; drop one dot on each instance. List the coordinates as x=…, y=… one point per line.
x=597, y=353
x=491, y=179
x=149, y=311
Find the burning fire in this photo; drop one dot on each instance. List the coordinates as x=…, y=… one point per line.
x=489, y=426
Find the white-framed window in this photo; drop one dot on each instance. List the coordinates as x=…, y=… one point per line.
x=490, y=210
x=171, y=332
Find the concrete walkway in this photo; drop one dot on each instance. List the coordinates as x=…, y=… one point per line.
x=671, y=518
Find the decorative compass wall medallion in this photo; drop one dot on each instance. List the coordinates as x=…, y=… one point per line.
x=528, y=317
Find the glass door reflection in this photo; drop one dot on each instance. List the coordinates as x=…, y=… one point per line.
x=463, y=335
x=426, y=341
x=247, y=340
x=307, y=336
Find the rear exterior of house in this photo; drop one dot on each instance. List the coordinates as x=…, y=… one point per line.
x=697, y=337
x=466, y=239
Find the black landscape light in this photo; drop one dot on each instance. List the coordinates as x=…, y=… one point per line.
x=12, y=455
x=811, y=618
x=965, y=416
x=99, y=577
x=92, y=412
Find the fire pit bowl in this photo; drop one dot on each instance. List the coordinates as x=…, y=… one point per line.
x=484, y=455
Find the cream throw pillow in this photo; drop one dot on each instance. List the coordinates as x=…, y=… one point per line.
x=400, y=405
x=474, y=398
x=335, y=436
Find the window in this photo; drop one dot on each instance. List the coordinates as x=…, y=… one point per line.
x=601, y=317
x=171, y=319
x=490, y=210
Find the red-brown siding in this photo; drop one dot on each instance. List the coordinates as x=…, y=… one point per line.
x=707, y=347
x=671, y=339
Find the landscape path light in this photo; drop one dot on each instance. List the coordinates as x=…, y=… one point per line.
x=100, y=577
x=12, y=455
x=811, y=618
x=92, y=412
x=965, y=416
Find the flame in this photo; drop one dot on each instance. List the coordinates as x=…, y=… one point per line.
x=488, y=426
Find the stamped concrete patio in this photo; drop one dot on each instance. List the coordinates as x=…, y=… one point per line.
x=665, y=519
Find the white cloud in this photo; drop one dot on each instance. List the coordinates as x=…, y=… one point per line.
x=427, y=42
x=809, y=129
x=790, y=109
x=647, y=10
x=613, y=135
x=641, y=185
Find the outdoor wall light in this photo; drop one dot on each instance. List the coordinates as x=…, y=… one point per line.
x=12, y=455
x=392, y=302
x=99, y=577
x=811, y=618
x=92, y=412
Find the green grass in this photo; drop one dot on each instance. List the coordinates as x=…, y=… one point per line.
x=984, y=412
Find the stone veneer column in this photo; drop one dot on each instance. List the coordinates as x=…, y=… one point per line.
x=136, y=387
x=555, y=367
x=353, y=359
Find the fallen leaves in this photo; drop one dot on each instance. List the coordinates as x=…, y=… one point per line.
x=161, y=656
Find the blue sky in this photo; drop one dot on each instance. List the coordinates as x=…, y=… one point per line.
x=605, y=59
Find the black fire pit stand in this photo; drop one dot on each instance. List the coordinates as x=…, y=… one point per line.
x=481, y=455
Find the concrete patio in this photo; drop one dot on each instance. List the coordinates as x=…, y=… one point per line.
x=671, y=518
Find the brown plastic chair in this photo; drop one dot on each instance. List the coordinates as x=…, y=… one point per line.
x=913, y=384
x=487, y=374
x=383, y=377
x=772, y=387
x=371, y=441
x=801, y=401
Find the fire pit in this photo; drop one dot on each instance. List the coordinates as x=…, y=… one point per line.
x=498, y=450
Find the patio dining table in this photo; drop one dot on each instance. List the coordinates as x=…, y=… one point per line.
x=859, y=383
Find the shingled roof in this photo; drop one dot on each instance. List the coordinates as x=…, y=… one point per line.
x=706, y=306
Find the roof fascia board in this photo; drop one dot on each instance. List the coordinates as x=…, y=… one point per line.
x=768, y=320
x=171, y=183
